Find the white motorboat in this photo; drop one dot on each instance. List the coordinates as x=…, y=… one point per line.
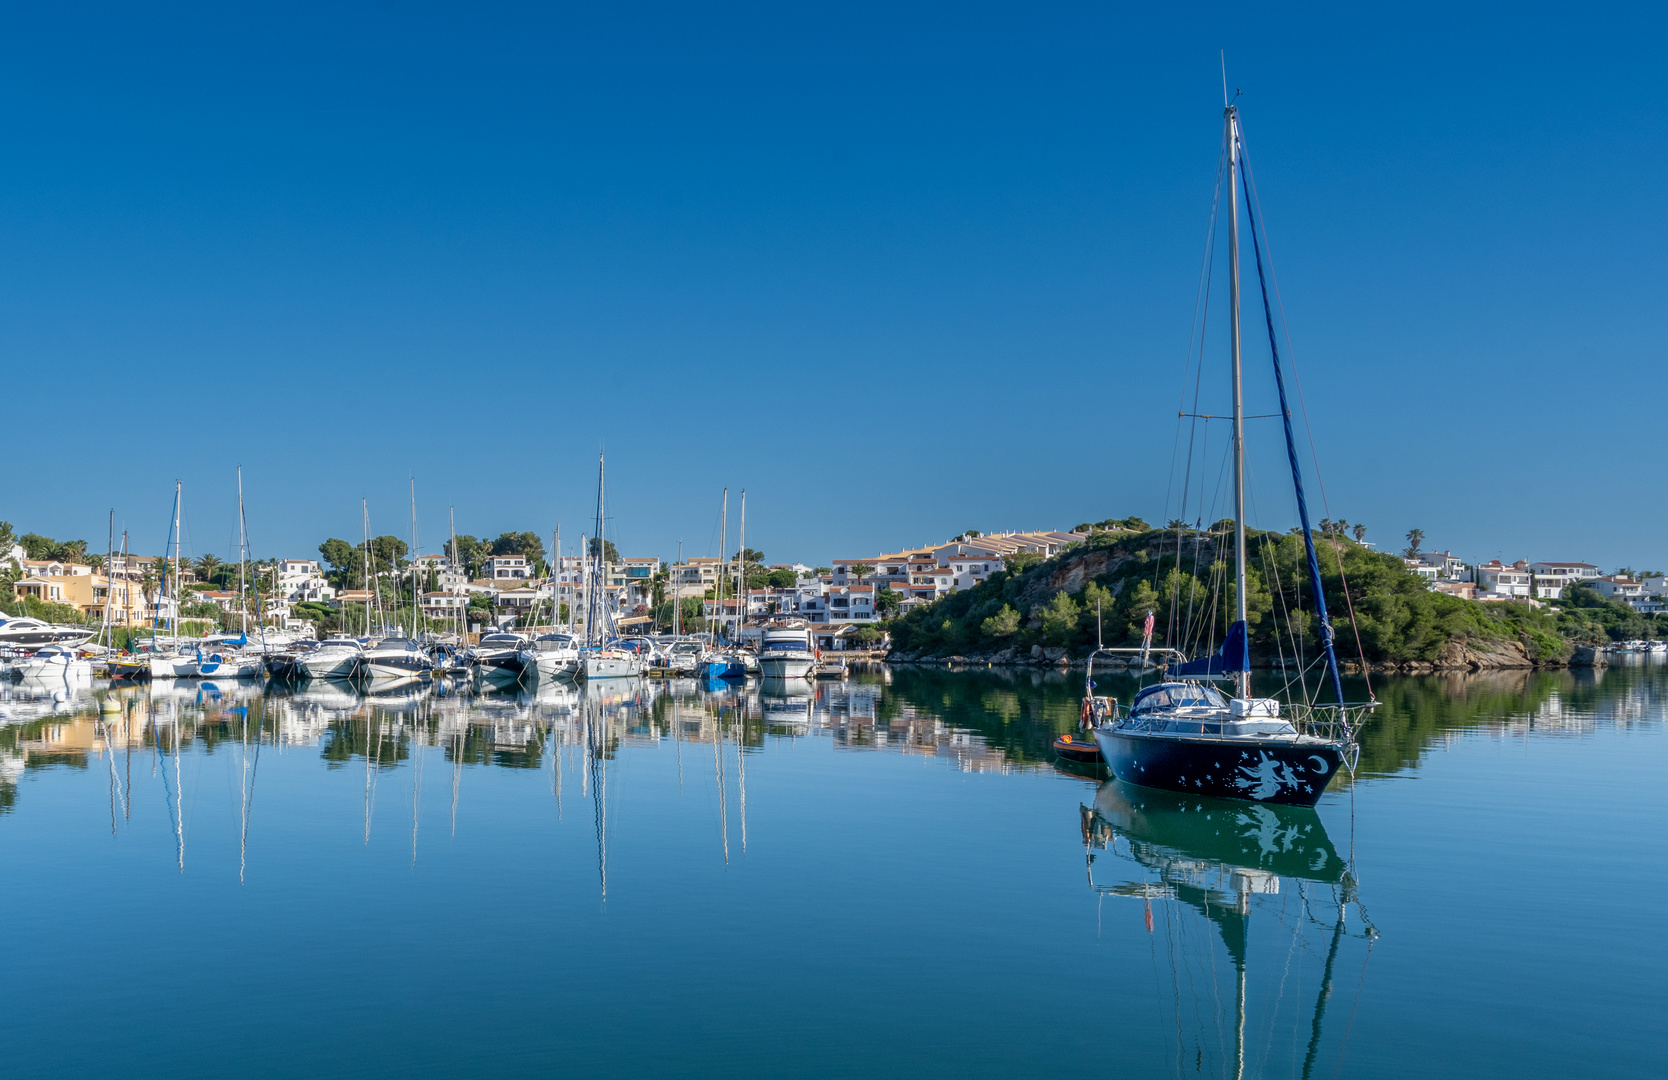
x=178, y=665
x=397, y=660
x=498, y=657
x=550, y=656
x=683, y=655
x=608, y=663
x=21, y=631
x=333, y=658
x=55, y=663
x=787, y=653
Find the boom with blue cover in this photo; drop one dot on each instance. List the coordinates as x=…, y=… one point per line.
x=1234, y=655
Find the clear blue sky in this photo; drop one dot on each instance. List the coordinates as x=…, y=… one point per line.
x=898, y=270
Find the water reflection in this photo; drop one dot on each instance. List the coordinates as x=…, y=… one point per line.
x=1224, y=863
x=992, y=721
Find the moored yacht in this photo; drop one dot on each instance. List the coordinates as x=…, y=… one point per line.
x=21, y=631
x=396, y=659
x=610, y=663
x=721, y=665
x=175, y=665
x=332, y=658
x=550, y=656
x=1182, y=734
x=682, y=655
x=54, y=663
x=787, y=653
x=498, y=657
x=1185, y=736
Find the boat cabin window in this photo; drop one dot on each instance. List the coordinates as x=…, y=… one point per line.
x=1177, y=696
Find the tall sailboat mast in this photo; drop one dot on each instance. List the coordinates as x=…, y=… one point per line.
x=593, y=607
x=723, y=542
x=416, y=604
x=1242, y=679
x=109, y=583
x=452, y=557
x=365, y=514
x=741, y=566
x=242, y=556
x=174, y=587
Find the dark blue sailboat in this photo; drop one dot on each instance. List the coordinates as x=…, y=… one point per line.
x=1184, y=735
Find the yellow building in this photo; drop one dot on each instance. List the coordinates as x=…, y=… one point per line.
x=84, y=589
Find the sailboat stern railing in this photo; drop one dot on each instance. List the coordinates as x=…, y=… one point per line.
x=1334, y=723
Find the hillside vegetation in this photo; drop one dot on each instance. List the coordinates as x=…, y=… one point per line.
x=1187, y=581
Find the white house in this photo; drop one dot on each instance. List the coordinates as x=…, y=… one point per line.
x=1552, y=578
x=303, y=580
x=851, y=603
x=1496, y=581
x=1426, y=571
x=506, y=567
x=1625, y=589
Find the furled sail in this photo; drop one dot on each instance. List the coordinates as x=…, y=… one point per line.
x=1234, y=655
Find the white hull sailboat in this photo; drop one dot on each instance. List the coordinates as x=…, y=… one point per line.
x=599, y=659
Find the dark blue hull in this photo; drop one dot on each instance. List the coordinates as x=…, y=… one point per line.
x=1260, y=770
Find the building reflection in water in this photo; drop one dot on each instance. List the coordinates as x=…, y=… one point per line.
x=987, y=722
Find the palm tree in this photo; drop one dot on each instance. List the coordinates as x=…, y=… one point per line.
x=1175, y=523
x=206, y=565
x=862, y=570
x=1415, y=537
x=1360, y=533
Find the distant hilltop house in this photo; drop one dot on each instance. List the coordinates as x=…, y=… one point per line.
x=947, y=567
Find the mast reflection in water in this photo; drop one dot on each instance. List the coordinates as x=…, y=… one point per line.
x=432, y=860
x=1222, y=859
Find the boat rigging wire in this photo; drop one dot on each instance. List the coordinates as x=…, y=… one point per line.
x=1291, y=445
x=1253, y=202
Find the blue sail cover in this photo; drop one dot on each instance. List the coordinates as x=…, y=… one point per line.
x=1234, y=655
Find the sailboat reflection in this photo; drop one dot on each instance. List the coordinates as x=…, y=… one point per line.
x=1214, y=856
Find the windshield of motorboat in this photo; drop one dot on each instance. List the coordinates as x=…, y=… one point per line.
x=402, y=644
x=1177, y=696
x=501, y=639
x=686, y=647
x=339, y=643
x=560, y=640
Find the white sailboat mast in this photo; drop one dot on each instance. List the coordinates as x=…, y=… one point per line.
x=365, y=513
x=174, y=619
x=109, y=582
x=1242, y=680
x=724, y=560
x=416, y=606
x=242, y=556
x=741, y=565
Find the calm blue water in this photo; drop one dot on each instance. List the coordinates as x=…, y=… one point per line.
x=885, y=877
